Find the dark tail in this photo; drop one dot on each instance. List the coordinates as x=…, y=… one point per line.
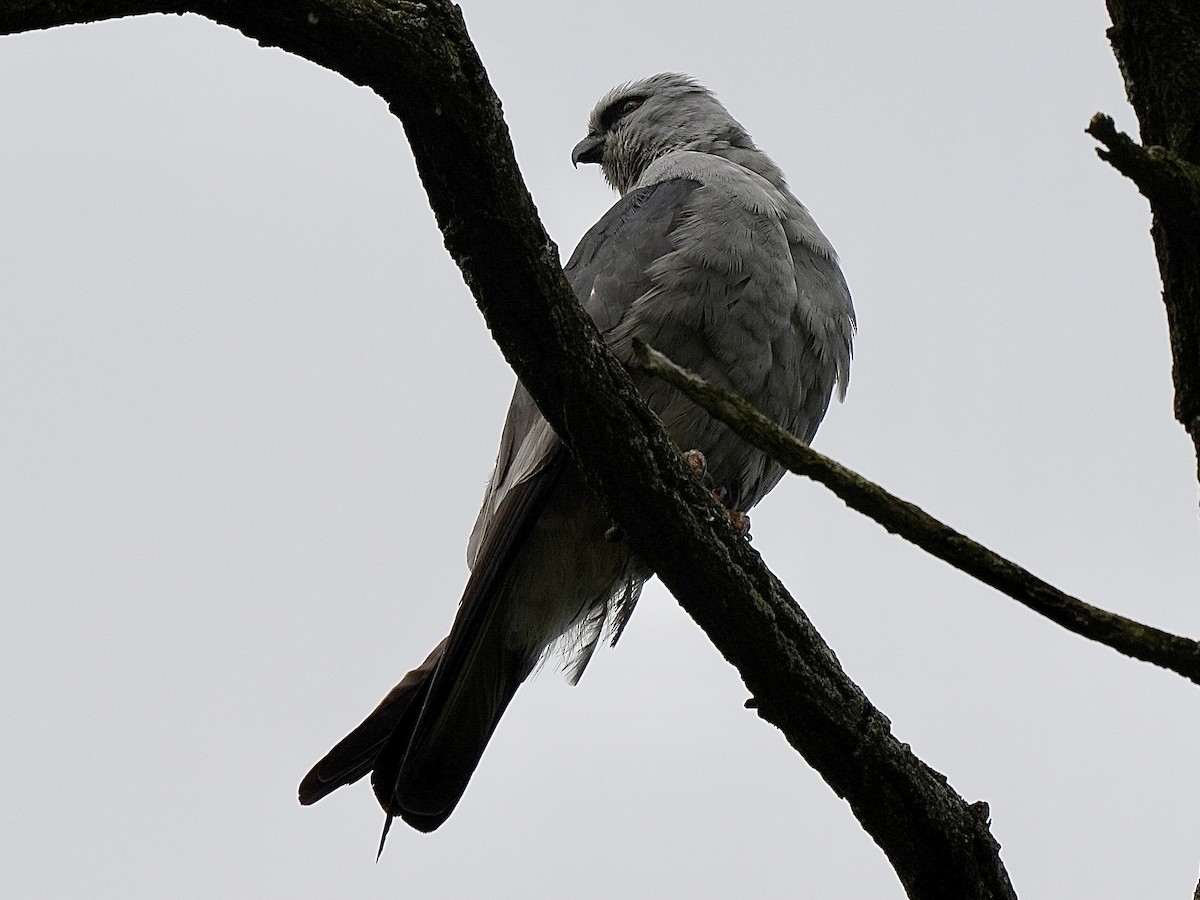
x=355, y=755
x=421, y=774
x=423, y=742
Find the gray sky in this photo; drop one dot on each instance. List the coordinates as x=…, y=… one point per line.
x=247, y=411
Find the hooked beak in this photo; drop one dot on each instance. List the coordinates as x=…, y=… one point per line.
x=589, y=150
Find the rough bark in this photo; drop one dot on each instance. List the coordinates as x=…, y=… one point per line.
x=1157, y=45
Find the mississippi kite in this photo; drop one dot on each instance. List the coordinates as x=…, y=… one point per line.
x=708, y=257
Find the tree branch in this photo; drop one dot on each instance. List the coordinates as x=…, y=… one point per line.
x=1157, y=44
x=1163, y=178
x=418, y=57
x=1179, y=654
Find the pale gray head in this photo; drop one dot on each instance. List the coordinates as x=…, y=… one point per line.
x=638, y=122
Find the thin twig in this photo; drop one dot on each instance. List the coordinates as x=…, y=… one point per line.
x=1179, y=654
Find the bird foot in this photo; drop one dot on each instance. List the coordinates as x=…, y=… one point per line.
x=699, y=466
x=697, y=463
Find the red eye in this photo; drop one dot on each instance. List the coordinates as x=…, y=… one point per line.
x=618, y=110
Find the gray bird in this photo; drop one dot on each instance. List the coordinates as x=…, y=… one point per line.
x=708, y=257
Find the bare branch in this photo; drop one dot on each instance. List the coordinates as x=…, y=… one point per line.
x=1179, y=654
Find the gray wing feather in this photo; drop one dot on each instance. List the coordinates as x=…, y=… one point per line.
x=730, y=276
x=824, y=304
x=750, y=297
x=528, y=447
x=609, y=271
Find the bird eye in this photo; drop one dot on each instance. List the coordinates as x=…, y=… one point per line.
x=619, y=110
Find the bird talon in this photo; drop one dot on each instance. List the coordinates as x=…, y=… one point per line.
x=740, y=522
x=699, y=466
x=696, y=462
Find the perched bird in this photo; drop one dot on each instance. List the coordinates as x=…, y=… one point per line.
x=709, y=258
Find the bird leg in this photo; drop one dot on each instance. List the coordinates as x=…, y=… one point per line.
x=699, y=466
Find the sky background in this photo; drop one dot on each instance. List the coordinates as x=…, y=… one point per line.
x=248, y=410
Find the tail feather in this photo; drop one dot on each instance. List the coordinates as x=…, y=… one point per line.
x=422, y=774
x=356, y=754
x=424, y=741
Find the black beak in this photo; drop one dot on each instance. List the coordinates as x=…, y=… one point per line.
x=589, y=150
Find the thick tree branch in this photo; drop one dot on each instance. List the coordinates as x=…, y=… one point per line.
x=912, y=523
x=1157, y=44
x=418, y=58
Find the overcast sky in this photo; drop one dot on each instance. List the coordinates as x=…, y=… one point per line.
x=248, y=409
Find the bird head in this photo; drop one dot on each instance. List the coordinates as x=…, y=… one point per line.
x=636, y=123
